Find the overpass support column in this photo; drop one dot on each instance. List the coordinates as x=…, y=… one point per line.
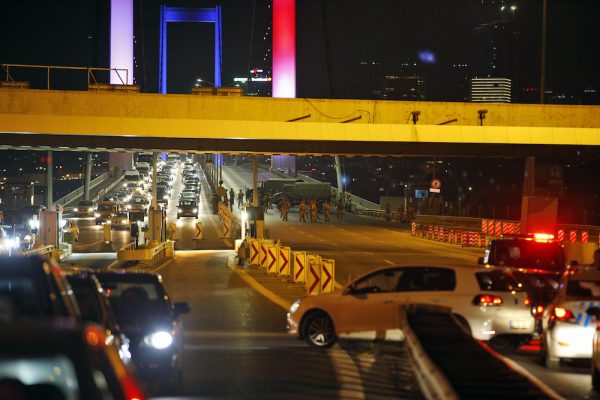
x=338, y=173
x=49, y=177
x=156, y=216
x=88, y=176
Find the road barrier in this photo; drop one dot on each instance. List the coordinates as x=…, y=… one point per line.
x=147, y=255
x=315, y=272
x=43, y=251
x=198, y=232
x=272, y=256
x=299, y=273
x=172, y=231
x=284, y=263
x=227, y=228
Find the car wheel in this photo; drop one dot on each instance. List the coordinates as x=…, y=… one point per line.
x=504, y=344
x=462, y=322
x=549, y=361
x=318, y=330
x=595, y=377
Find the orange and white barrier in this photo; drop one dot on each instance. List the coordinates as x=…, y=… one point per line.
x=254, y=252
x=264, y=252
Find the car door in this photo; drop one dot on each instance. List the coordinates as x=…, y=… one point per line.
x=369, y=305
x=426, y=285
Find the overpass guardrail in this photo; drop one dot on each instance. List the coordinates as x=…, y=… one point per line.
x=79, y=191
x=148, y=255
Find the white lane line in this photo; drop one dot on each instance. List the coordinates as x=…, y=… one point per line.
x=389, y=262
x=321, y=240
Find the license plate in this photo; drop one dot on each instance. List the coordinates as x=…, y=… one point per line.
x=519, y=324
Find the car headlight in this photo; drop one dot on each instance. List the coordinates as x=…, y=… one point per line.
x=195, y=210
x=76, y=209
x=96, y=215
x=294, y=307
x=124, y=221
x=165, y=197
x=128, y=206
x=90, y=209
x=124, y=185
x=179, y=210
x=159, y=340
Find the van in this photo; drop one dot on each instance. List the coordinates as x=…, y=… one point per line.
x=131, y=178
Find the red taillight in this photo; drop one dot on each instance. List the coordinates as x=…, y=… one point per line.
x=131, y=389
x=537, y=311
x=543, y=237
x=487, y=300
x=562, y=314
x=527, y=301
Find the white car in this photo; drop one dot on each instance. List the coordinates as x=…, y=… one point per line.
x=568, y=329
x=489, y=303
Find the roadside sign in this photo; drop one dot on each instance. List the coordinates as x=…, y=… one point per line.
x=272, y=253
x=299, y=266
x=226, y=228
x=198, y=232
x=327, y=275
x=284, y=261
x=264, y=255
x=313, y=279
x=254, y=252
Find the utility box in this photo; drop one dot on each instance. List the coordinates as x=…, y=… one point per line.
x=49, y=228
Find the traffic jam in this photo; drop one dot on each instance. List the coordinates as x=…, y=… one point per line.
x=70, y=332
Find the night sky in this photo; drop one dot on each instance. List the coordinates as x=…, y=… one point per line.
x=341, y=32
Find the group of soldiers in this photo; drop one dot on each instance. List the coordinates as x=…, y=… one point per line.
x=309, y=210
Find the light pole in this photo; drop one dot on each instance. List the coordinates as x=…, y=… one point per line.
x=543, y=63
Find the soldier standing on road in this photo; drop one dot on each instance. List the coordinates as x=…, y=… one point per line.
x=240, y=198
x=135, y=232
x=388, y=212
x=313, y=210
x=326, y=210
x=340, y=209
x=302, y=208
x=287, y=208
x=231, y=198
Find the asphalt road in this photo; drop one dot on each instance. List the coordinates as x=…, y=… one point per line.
x=236, y=345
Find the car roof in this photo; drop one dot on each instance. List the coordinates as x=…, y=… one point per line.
x=122, y=276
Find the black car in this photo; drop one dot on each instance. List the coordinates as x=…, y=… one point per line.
x=62, y=359
x=187, y=208
x=94, y=307
x=152, y=324
x=33, y=287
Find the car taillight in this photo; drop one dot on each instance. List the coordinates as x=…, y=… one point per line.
x=562, y=314
x=527, y=301
x=487, y=300
x=131, y=389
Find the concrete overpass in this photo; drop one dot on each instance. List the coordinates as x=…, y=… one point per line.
x=107, y=121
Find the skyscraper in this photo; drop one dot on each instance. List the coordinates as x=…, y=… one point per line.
x=261, y=57
x=495, y=47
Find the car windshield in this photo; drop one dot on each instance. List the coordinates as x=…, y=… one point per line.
x=498, y=281
x=530, y=254
x=86, y=300
x=132, y=300
x=86, y=203
x=589, y=289
x=107, y=207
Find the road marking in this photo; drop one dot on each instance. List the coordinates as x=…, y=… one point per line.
x=369, y=253
x=321, y=240
x=85, y=246
x=389, y=262
x=334, y=244
x=258, y=287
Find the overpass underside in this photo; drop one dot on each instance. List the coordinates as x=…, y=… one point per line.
x=68, y=120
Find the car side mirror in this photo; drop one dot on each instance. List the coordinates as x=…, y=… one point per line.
x=480, y=261
x=181, y=308
x=593, y=311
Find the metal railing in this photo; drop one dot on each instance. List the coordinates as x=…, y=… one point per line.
x=356, y=201
x=79, y=191
x=91, y=77
x=41, y=251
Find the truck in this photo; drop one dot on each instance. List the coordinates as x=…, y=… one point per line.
x=296, y=191
x=271, y=187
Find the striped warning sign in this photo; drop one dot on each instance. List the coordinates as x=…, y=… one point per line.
x=272, y=253
x=327, y=275
x=254, y=252
x=284, y=261
x=313, y=279
x=198, y=232
x=264, y=255
x=299, y=266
